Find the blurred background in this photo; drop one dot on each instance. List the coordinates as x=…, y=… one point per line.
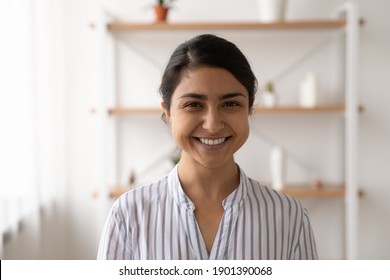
x=60, y=69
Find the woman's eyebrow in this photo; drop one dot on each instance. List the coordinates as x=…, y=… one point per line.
x=193, y=95
x=232, y=95
x=204, y=97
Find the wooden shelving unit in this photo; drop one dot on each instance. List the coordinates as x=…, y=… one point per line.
x=348, y=21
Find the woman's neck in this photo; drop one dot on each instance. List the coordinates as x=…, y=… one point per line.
x=201, y=182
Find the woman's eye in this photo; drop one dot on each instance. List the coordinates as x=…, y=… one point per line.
x=192, y=105
x=231, y=104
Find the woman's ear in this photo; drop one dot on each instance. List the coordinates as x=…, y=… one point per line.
x=166, y=114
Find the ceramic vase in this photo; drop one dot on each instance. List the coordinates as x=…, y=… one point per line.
x=308, y=91
x=278, y=167
x=271, y=10
x=269, y=99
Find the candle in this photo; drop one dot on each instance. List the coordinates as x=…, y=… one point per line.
x=308, y=95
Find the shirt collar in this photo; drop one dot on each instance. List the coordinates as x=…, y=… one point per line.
x=183, y=200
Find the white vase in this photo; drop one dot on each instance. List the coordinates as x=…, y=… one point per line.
x=271, y=10
x=308, y=91
x=269, y=99
x=278, y=167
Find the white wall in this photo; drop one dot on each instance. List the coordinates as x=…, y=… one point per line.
x=269, y=55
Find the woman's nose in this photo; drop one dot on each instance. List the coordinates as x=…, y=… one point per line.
x=213, y=121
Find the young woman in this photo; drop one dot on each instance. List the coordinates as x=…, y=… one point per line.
x=206, y=207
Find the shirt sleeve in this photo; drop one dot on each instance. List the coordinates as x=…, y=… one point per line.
x=306, y=248
x=114, y=242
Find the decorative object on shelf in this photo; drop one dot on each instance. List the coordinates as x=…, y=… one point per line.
x=278, y=162
x=308, y=91
x=317, y=185
x=161, y=9
x=269, y=97
x=278, y=167
x=300, y=60
x=271, y=10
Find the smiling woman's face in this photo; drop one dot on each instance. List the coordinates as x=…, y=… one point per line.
x=209, y=116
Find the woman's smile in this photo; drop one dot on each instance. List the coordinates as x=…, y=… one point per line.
x=212, y=143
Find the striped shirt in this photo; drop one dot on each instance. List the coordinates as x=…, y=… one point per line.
x=157, y=221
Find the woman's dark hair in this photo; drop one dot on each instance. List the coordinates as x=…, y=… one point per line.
x=211, y=51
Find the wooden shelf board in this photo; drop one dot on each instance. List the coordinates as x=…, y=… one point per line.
x=130, y=111
x=298, y=109
x=310, y=192
x=293, y=24
x=117, y=191
x=323, y=192
x=295, y=191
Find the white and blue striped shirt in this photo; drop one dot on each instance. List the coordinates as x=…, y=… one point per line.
x=157, y=221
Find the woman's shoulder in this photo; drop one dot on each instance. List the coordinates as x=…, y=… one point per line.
x=143, y=192
x=267, y=193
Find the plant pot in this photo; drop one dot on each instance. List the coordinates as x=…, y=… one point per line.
x=269, y=99
x=161, y=13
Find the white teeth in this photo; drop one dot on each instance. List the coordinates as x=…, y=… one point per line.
x=212, y=141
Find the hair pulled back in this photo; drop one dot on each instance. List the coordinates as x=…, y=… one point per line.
x=210, y=51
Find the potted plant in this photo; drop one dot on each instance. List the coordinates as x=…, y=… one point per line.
x=269, y=96
x=161, y=9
